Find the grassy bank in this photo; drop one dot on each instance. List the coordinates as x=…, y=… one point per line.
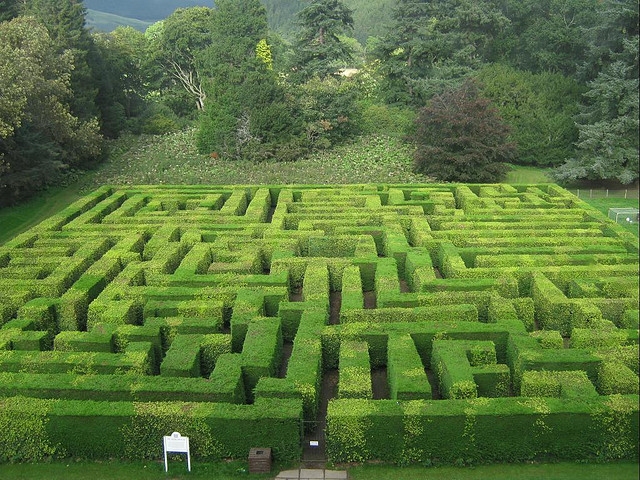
x=15, y=220
x=173, y=159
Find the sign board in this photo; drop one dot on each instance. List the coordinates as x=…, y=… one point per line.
x=176, y=443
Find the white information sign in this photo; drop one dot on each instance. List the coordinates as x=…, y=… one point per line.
x=176, y=443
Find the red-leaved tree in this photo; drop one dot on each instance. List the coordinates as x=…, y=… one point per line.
x=460, y=137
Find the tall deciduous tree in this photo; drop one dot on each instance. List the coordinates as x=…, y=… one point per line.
x=179, y=44
x=461, y=137
x=39, y=135
x=320, y=52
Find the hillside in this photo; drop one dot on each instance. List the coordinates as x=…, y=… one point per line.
x=370, y=16
x=146, y=10
x=106, y=22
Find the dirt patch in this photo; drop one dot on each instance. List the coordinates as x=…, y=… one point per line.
x=370, y=299
x=380, y=383
x=287, y=348
x=335, y=303
x=404, y=287
x=296, y=295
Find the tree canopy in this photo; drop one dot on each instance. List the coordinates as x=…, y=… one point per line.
x=319, y=49
x=561, y=74
x=460, y=137
x=39, y=135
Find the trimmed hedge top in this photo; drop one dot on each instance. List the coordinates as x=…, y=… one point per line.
x=467, y=313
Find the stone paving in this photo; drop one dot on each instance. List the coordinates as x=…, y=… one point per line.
x=311, y=474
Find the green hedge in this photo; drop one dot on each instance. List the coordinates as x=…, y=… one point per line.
x=70, y=386
x=557, y=384
x=304, y=369
x=137, y=358
x=524, y=354
x=68, y=341
x=88, y=429
x=352, y=293
x=261, y=352
x=405, y=371
x=468, y=369
x=355, y=370
x=461, y=313
x=616, y=378
x=482, y=430
x=183, y=357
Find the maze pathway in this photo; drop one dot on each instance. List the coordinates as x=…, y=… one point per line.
x=464, y=323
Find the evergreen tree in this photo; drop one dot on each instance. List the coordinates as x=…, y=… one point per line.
x=9, y=9
x=120, y=66
x=248, y=112
x=608, y=123
x=433, y=45
x=403, y=57
x=549, y=35
x=319, y=49
x=460, y=137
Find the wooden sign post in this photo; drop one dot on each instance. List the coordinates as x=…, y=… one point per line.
x=176, y=444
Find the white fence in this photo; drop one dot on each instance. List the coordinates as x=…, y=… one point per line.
x=604, y=193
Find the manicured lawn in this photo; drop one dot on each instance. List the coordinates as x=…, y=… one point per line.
x=15, y=220
x=519, y=174
x=113, y=470
x=604, y=204
x=238, y=470
x=560, y=471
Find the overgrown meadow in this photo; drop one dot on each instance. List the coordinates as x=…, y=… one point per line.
x=173, y=159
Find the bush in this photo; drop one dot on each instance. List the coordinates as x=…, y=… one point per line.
x=381, y=119
x=330, y=110
x=459, y=137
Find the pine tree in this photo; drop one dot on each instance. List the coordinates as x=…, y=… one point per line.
x=248, y=112
x=318, y=47
x=9, y=9
x=434, y=45
x=608, y=123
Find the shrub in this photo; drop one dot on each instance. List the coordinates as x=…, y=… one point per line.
x=460, y=137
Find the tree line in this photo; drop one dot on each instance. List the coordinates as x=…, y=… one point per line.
x=472, y=83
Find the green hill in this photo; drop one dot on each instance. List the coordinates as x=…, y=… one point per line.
x=107, y=22
x=370, y=16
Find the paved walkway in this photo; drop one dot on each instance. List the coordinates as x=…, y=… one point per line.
x=311, y=474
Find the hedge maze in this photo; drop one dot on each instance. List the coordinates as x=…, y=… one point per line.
x=464, y=324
